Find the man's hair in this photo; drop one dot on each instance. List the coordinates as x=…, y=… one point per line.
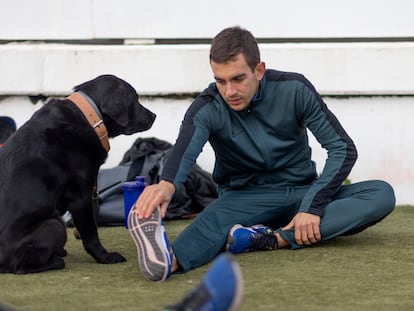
x=232, y=41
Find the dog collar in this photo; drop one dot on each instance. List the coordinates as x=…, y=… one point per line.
x=87, y=108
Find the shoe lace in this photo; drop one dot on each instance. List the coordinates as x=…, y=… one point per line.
x=263, y=241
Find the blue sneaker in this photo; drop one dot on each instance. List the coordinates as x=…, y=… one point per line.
x=221, y=288
x=154, y=252
x=246, y=239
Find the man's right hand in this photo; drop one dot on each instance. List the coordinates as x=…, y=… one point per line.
x=306, y=228
x=153, y=196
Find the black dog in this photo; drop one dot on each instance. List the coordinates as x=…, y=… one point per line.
x=50, y=165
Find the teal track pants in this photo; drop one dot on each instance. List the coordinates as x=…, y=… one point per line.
x=354, y=208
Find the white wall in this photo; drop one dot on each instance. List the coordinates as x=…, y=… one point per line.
x=334, y=68
x=85, y=19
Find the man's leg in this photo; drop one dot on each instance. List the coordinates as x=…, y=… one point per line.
x=206, y=236
x=154, y=252
x=354, y=208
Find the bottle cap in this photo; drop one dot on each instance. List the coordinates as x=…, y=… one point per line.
x=130, y=185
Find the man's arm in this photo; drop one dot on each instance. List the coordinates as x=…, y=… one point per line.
x=342, y=155
x=189, y=144
x=341, y=151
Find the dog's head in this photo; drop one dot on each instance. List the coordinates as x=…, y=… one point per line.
x=118, y=103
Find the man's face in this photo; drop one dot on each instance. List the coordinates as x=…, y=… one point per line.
x=236, y=82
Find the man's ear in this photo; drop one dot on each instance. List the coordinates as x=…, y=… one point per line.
x=260, y=70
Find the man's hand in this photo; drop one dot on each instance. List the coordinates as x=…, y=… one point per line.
x=306, y=228
x=153, y=196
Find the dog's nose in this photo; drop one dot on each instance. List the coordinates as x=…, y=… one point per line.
x=150, y=118
x=141, y=119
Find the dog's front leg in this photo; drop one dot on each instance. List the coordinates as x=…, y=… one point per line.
x=84, y=220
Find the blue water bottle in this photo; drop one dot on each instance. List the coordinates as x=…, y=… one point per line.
x=132, y=190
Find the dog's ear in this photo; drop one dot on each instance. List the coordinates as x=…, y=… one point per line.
x=113, y=96
x=114, y=106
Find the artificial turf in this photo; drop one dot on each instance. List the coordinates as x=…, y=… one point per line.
x=373, y=270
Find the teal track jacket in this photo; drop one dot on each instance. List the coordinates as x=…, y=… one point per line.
x=268, y=142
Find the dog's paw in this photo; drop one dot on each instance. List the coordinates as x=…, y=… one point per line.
x=113, y=257
x=62, y=252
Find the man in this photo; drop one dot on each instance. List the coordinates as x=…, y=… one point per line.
x=256, y=121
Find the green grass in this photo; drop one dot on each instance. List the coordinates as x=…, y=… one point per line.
x=373, y=270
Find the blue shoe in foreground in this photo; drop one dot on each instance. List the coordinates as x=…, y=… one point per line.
x=246, y=239
x=221, y=288
x=152, y=244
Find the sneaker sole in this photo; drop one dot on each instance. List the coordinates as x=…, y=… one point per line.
x=148, y=235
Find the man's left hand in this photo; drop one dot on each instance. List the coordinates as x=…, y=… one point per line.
x=306, y=228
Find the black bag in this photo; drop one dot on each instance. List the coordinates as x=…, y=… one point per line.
x=147, y=157
x=110, y=195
